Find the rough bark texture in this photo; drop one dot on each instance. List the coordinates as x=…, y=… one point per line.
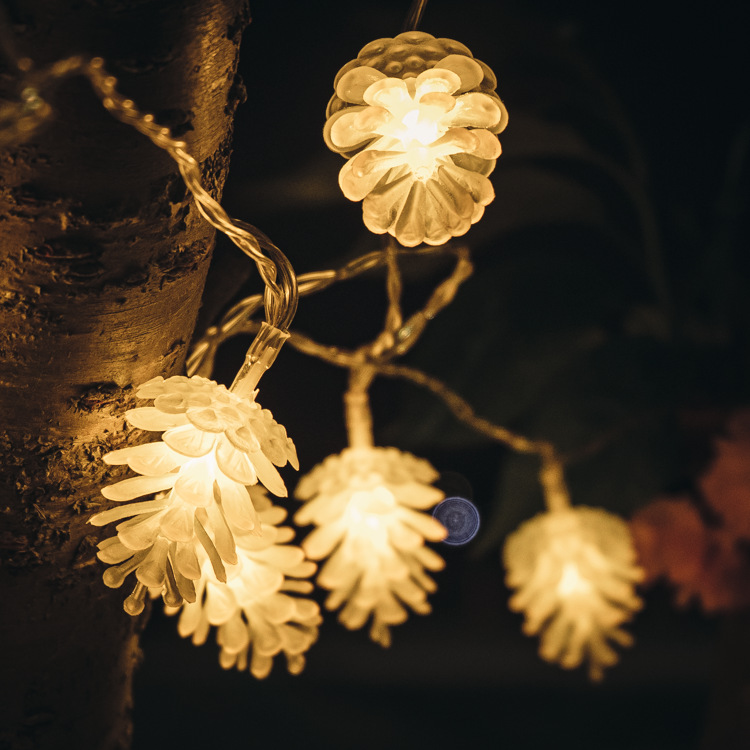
x=103, y=259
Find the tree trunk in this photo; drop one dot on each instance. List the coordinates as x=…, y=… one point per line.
x=103, y=259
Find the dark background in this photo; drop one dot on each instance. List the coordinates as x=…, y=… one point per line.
x=608, y=307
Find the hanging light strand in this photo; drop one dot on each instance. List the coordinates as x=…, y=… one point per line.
x=551, y=475
x=276, y=272
x=239, y=318
x=394, y=287
x=356, y=399
x=414, y=17
x=17, y=119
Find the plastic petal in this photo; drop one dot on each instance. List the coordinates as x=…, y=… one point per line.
x=352, y=85
x=234, y=464
x=475, y=110
x=355, y=127
x=221, y=604
x=189, y=441
x=477, y=185
x=243, y=439
x=186, y=562
x=150, y=418
x=152, y=571
x=125, y=511
x=150, y=459
x=410, y=224
x=467, y=69
x=139, y=533
x=427, y=526
x=360, y=175
x=177, y=523
x=390, y=93
x=128, y=489
x=223, y=538
x=268, y=474
x=237, y=505
x=195, y=484
x=112, y=551
x=383, y=205
x=439, y=80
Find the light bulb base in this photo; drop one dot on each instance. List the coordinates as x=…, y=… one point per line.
x=260, y=356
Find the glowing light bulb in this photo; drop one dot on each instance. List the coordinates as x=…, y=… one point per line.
x=424, y=131
x=259, y=612
x=214, y=446
x=574, y=572
x=421, y=147
x=572, y=582
x=366, y=504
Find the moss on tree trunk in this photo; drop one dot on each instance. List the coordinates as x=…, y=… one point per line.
x=103, y=259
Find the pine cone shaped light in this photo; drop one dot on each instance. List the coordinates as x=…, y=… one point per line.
x=215, y=444
x=574, y=571
x=366, y=504
x=255, y=616
x=418, y=117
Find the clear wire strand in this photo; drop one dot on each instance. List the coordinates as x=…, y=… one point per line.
x=551, y=473
x=238, y=319
x=17, y=119
x=282, y=288
x=414, y=17
x=276, y=272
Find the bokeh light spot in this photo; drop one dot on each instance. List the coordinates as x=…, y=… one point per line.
x=460, y=517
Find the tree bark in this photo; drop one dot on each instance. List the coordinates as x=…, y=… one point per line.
x=103, y=258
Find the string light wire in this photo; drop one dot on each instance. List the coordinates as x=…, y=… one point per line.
x=238, y=319
x=276, y=272
x=281, y=293
x=280, y=299
x=282, y=288
x=414, y=17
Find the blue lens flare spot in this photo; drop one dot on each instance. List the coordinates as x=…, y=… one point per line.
x=460, y=517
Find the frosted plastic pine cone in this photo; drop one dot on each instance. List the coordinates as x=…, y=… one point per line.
x=417, y=115
x=214, y=446
x=406, y=56
x=574, y=572
x=366, y=504
x=255, y=616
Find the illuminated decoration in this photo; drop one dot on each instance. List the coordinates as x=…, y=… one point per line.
x=417, y=118
x=420, y=135
x=460, y=518
x=255, y=616
x=215, y=444
x=366, y=503
x=574, y=571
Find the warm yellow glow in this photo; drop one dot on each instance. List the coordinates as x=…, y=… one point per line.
x=416, y=130
x=214, y=446
x=368, y=512
x=365, y=503
x=421, y=147
x=253, y=612
x=574, y=572
x=572, y=582
x=419, y=127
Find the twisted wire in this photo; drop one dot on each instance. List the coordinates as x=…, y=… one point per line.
x=238, y=319
x=414, y=16
x=276, y=272
x=17, y=119
x=282, y=288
